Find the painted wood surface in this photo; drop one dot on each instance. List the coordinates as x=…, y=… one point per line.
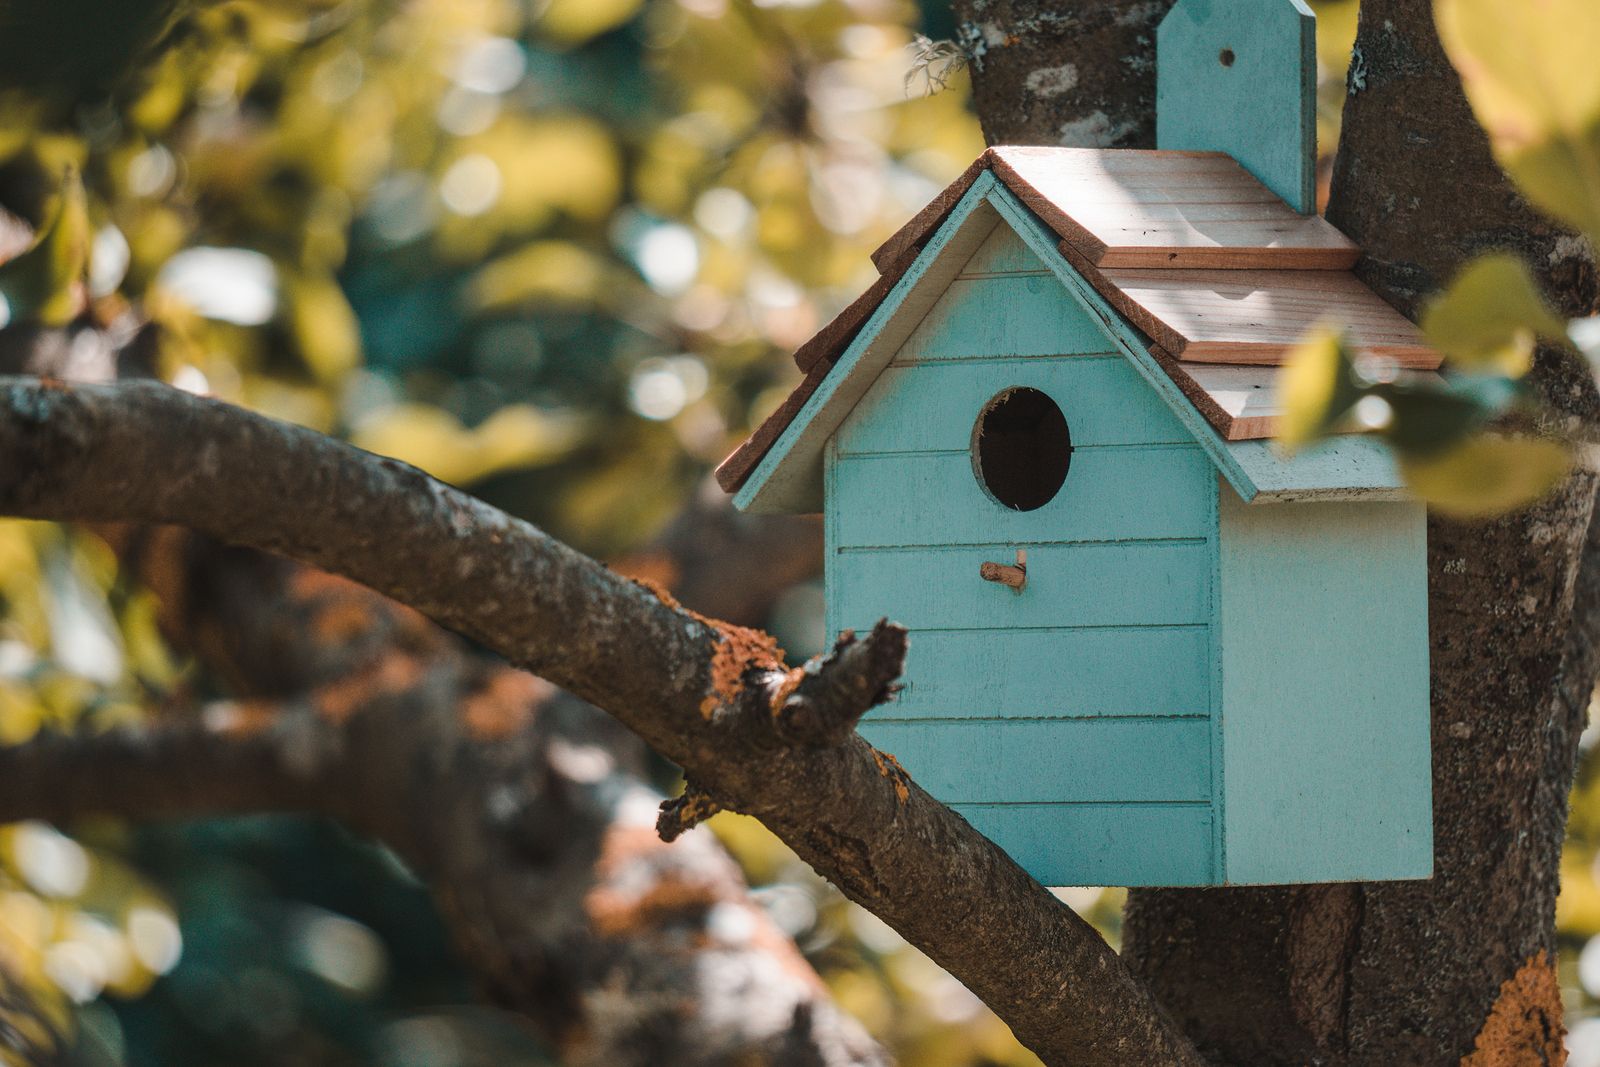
x=1350, y=467
x=1324, y=639
x=1111, y=494
x=1104, y=400
x=1000, y=315
x=1070, y=720
x=1072, y=761
x=1103, y=844
x=1128, y=671
x=1240, y=76
x=1111, y=584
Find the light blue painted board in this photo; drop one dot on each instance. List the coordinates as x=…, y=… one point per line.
x=1104, y=400
x=1102, y=844
x=1004, y=315
x=1150, y=584
x=1240, y=76
x=922, y=498
x=1324, y=641
x=1003, y=253
x=1347, y=467
x=1067, y=760
x=1053, y=673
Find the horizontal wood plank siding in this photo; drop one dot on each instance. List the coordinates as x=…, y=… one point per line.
x=1109, y=494
x=1015, y=315
x=1102, y=844
x=1103, y=398
x=1071, y=721
x=1075, y=760
x=1114, y=671
x=1068, y=585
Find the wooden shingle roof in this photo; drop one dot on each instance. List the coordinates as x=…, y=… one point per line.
x=1218, y=274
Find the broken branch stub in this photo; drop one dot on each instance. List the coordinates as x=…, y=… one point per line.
x=824, y=700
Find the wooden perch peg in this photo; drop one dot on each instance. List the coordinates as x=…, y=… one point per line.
x=1012, y=575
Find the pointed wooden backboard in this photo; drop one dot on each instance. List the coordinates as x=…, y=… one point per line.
x=1240, y=76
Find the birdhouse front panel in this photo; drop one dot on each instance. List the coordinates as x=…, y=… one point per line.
x=1146, y=647
x=1070, y=721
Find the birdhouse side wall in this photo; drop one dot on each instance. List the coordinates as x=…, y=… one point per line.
x=1324, y=654
x=1070, y=721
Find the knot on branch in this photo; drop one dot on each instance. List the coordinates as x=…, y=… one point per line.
x=684, y=812
x=818, y=705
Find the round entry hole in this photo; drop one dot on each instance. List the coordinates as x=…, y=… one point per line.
x=1021, y=449
x=1226, y=57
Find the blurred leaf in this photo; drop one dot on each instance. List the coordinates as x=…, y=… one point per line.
x=1489, y=317
x=575, y=21
x=434, y=440
x=1430, y=416
x=1317, y=388
x=325, y=328
x=557, y=273
x=45, y=284
x=1487, y=475
x=1529, y=70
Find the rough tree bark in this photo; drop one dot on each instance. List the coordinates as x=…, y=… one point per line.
x=1079, y=73
x=530, y=812
x=1456, y=969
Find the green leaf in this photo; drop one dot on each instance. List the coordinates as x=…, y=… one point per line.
x=1529, y=70
x=45, y=284
x=1489, y=317
x=1487, y=475
x=1317, y=387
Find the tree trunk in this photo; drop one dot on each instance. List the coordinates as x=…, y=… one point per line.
x=1460, y=965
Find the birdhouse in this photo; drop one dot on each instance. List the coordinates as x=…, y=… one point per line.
x=1147, y=648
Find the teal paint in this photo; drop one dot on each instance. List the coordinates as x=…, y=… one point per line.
x=1050, y=326
x=1190, y=690
x=937, y=494
x=1123, y=671
x=1068, y=585
x=1103, y=844
x=1075, y=761
x=1324, y=641
x=1240, y=76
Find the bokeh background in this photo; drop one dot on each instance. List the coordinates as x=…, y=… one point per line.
x=552, y=251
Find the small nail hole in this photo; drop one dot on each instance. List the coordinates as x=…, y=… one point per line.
x=1226, y=57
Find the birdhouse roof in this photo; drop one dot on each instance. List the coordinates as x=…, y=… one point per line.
x=1203, y=277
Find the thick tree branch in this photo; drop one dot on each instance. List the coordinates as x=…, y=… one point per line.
x=699, y=692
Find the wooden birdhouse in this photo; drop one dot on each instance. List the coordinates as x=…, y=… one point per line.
x=1147, y=648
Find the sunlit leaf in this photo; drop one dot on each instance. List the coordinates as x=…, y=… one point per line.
x=325, y=329
x=434, y=440
x=1529, y=70
x=1316, y=387
x=1487, y=475
x=1489, y=317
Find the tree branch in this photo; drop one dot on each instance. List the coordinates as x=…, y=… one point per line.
x=699, y=692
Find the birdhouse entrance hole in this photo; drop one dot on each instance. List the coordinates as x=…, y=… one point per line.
x=1021, y=449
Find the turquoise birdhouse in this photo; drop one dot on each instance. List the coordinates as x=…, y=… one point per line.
x=1147, y=648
